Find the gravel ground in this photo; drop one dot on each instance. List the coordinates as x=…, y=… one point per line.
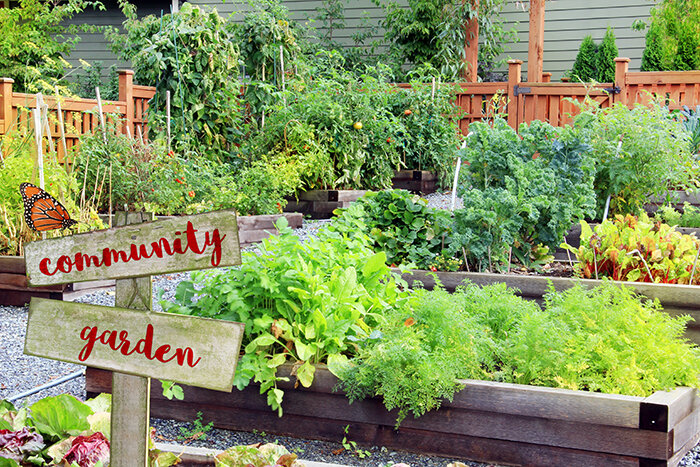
x=21, y=373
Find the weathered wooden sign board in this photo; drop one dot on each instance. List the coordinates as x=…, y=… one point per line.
x=130, y=339
x=196, y=351
x=172, y=245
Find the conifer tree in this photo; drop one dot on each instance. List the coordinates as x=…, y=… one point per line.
x=584, y=68
x=605, y=58
x=653, y=52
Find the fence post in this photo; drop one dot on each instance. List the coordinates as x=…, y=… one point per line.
x=126, y=95
x=514, y=77
x=621, y=66
x=535, y=49
x=5, y=103
x=547, y=77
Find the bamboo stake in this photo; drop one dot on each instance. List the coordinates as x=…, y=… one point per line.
x=284, y=97
x=167, y=115
x=102, y=115
x=695, y=263
x=44, y=109
x=138, y=130
x=62, y=129
x=432, y=93
x=109, y=214
x=39, y=156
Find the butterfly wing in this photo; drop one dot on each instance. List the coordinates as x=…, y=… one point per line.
x=42, y=211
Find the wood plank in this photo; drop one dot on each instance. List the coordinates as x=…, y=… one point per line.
x=686, y=430
x=172, y=245
x=195, y=351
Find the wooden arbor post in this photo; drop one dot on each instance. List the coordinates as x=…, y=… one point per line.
x=535, y=51
x=471, y=47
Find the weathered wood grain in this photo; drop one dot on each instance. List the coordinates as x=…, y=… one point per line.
x=12, y=264
x=54, y=331
x=63, y=252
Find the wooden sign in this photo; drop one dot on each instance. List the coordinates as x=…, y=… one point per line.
x=173, y=245
x=196, y=351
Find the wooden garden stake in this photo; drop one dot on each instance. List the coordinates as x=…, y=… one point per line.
x=102, y=115
x=62, y=128
x=695, y=263
x=284, y=97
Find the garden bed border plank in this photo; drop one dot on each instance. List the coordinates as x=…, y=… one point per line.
x=537, y=432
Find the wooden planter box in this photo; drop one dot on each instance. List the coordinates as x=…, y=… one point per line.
x=677, y=199
x=675, y=299
x=320, y=204
x=487, y=421
x=415, y=181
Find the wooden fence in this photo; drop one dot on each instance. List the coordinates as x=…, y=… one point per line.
x=552, y=102
x=79, y=116
x=522, y=101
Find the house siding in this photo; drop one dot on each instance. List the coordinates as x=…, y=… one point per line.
x=567, y=22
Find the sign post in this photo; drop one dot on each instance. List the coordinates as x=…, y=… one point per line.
x=131, y=395
x=130, y=339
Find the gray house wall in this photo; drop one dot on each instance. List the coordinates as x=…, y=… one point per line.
x=567, y=22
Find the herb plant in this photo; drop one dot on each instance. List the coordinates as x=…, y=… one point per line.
x=607, y=339
x=636, y=249
x=688, y=217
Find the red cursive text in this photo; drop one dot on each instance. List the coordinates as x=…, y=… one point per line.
x=161, y=247
x=119, y=342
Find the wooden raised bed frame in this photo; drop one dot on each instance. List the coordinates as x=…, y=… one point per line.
x=486, y=421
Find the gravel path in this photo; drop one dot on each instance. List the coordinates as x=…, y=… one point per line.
x=19, y=373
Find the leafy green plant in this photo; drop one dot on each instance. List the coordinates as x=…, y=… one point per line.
x=691, y=123
x=635, y=249
x=399, y=224
x=605, y=58
x=520, y=191
x=301, y=304
x=584, y=68
x=193, y=55
x=638, y=152
x=198, y=430
x=688, y=217
x=351, y=446
x=269, y=454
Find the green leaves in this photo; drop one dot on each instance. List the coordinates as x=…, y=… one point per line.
x=60, y=416
x=299, y=302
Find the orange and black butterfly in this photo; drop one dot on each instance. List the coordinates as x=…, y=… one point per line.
x=42, y=211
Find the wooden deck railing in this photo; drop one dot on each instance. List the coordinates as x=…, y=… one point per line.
x=522, y=101
x=80, y=116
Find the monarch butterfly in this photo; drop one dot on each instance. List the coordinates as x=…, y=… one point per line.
x=42, y=211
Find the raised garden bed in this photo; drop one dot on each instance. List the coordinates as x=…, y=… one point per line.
x=320, y=204
x=415, y=181
x=675, y=299
x=487, y=421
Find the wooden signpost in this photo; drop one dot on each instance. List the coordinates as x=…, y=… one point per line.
x=129, y=339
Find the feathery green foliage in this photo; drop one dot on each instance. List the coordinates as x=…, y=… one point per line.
x=584, y=68
x=605, y=58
